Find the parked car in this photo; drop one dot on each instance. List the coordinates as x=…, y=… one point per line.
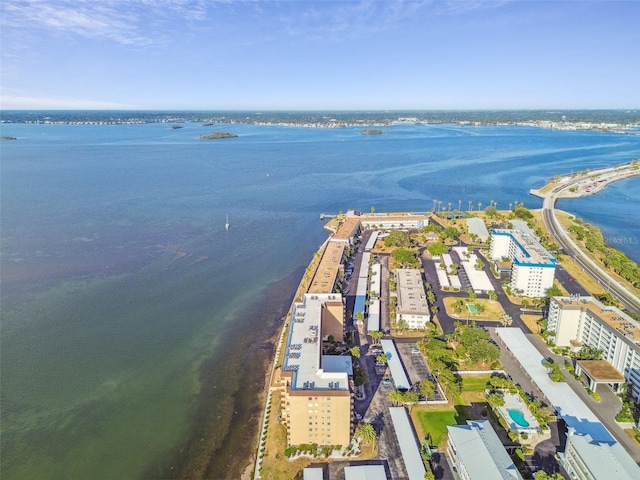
x=386, y=381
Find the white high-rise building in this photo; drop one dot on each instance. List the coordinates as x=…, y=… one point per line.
x=533, y=268
x=580, y=321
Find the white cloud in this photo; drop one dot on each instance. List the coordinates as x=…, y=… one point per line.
x=127, y=22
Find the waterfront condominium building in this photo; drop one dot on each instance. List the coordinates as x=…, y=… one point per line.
x=412, y=300
x=586, y=459
x=579, y=321
x=390, y=221
x=316, y=399
x=533, y=267
x=477, y=453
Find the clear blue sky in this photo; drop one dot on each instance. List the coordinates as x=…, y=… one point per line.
x=269, y=55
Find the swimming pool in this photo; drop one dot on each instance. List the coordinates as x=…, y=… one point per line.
x=518, y=417
x=472, y=308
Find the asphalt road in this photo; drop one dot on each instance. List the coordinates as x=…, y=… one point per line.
x=627, y=298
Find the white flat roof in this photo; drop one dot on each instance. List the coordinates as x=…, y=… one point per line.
x=478, y=278
x=408, y=446
x=373, y=322
x=365, y=472
x=572, y=409
x=411, y=296
x=310, y=473
x=604, y=460
x=477, y=226
x=481, y=451
x=529, y=251
x=395, y=365
x=372, y=240
x=376, y=275
x=364, y=265
x=522, y=226
x=304, y=346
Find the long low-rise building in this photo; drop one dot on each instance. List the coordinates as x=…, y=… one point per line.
x=395, y=364
x=533, y=268
x=412, y=301
x=579, y=321
x=478, y=454
x=388, y=221
x=316, y=397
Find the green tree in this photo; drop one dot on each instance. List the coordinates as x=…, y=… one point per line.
x=355, y=351
x=483, y=350
x=367, y=433
x=376, y=336
x=402, y=325
x=506, y=320
x=589, y=353
x=396, y=397
x=492, y=295
x=495, y=400
x=491, y=211
x=427, y=388
x=382, y=358
x=396, y=238
x=406, y=257
x=359, y=375
x=437, y=248
x=410, y=398
x=458, y=306
x=451, y=233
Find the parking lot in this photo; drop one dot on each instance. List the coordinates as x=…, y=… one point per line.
x=415, y=365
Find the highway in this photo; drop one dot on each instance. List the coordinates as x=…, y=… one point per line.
x=627, y=298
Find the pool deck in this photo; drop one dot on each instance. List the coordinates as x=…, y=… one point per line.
x=514, y=401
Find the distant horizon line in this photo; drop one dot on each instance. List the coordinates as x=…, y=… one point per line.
x=382, y=110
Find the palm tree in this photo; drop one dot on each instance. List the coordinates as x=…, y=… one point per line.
x=376, y=336
x=506, y=320
x=355, y=351
x=439, y=203
x=368, y=434
x=449, y=203
x=470, y=205
x=479, y=205
x=396, y=397
x=382, y=358
x=459, y=204
x=410, y=398
x=434, y=204
x=427, y=388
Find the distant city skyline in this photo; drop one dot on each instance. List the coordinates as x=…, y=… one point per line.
x=318, y=55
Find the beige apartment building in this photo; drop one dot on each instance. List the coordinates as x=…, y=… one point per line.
x=316, y=392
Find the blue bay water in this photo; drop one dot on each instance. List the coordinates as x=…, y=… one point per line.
x=135, y=328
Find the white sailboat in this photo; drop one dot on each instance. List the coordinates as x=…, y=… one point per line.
x=226, y=225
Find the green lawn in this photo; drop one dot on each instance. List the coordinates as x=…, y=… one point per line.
x=474, y=383
x=435, y=422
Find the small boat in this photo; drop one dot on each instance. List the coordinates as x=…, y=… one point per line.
x=226, y=225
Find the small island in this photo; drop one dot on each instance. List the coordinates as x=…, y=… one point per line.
x=216, y=135
x=7, y=137
x=371, y=132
